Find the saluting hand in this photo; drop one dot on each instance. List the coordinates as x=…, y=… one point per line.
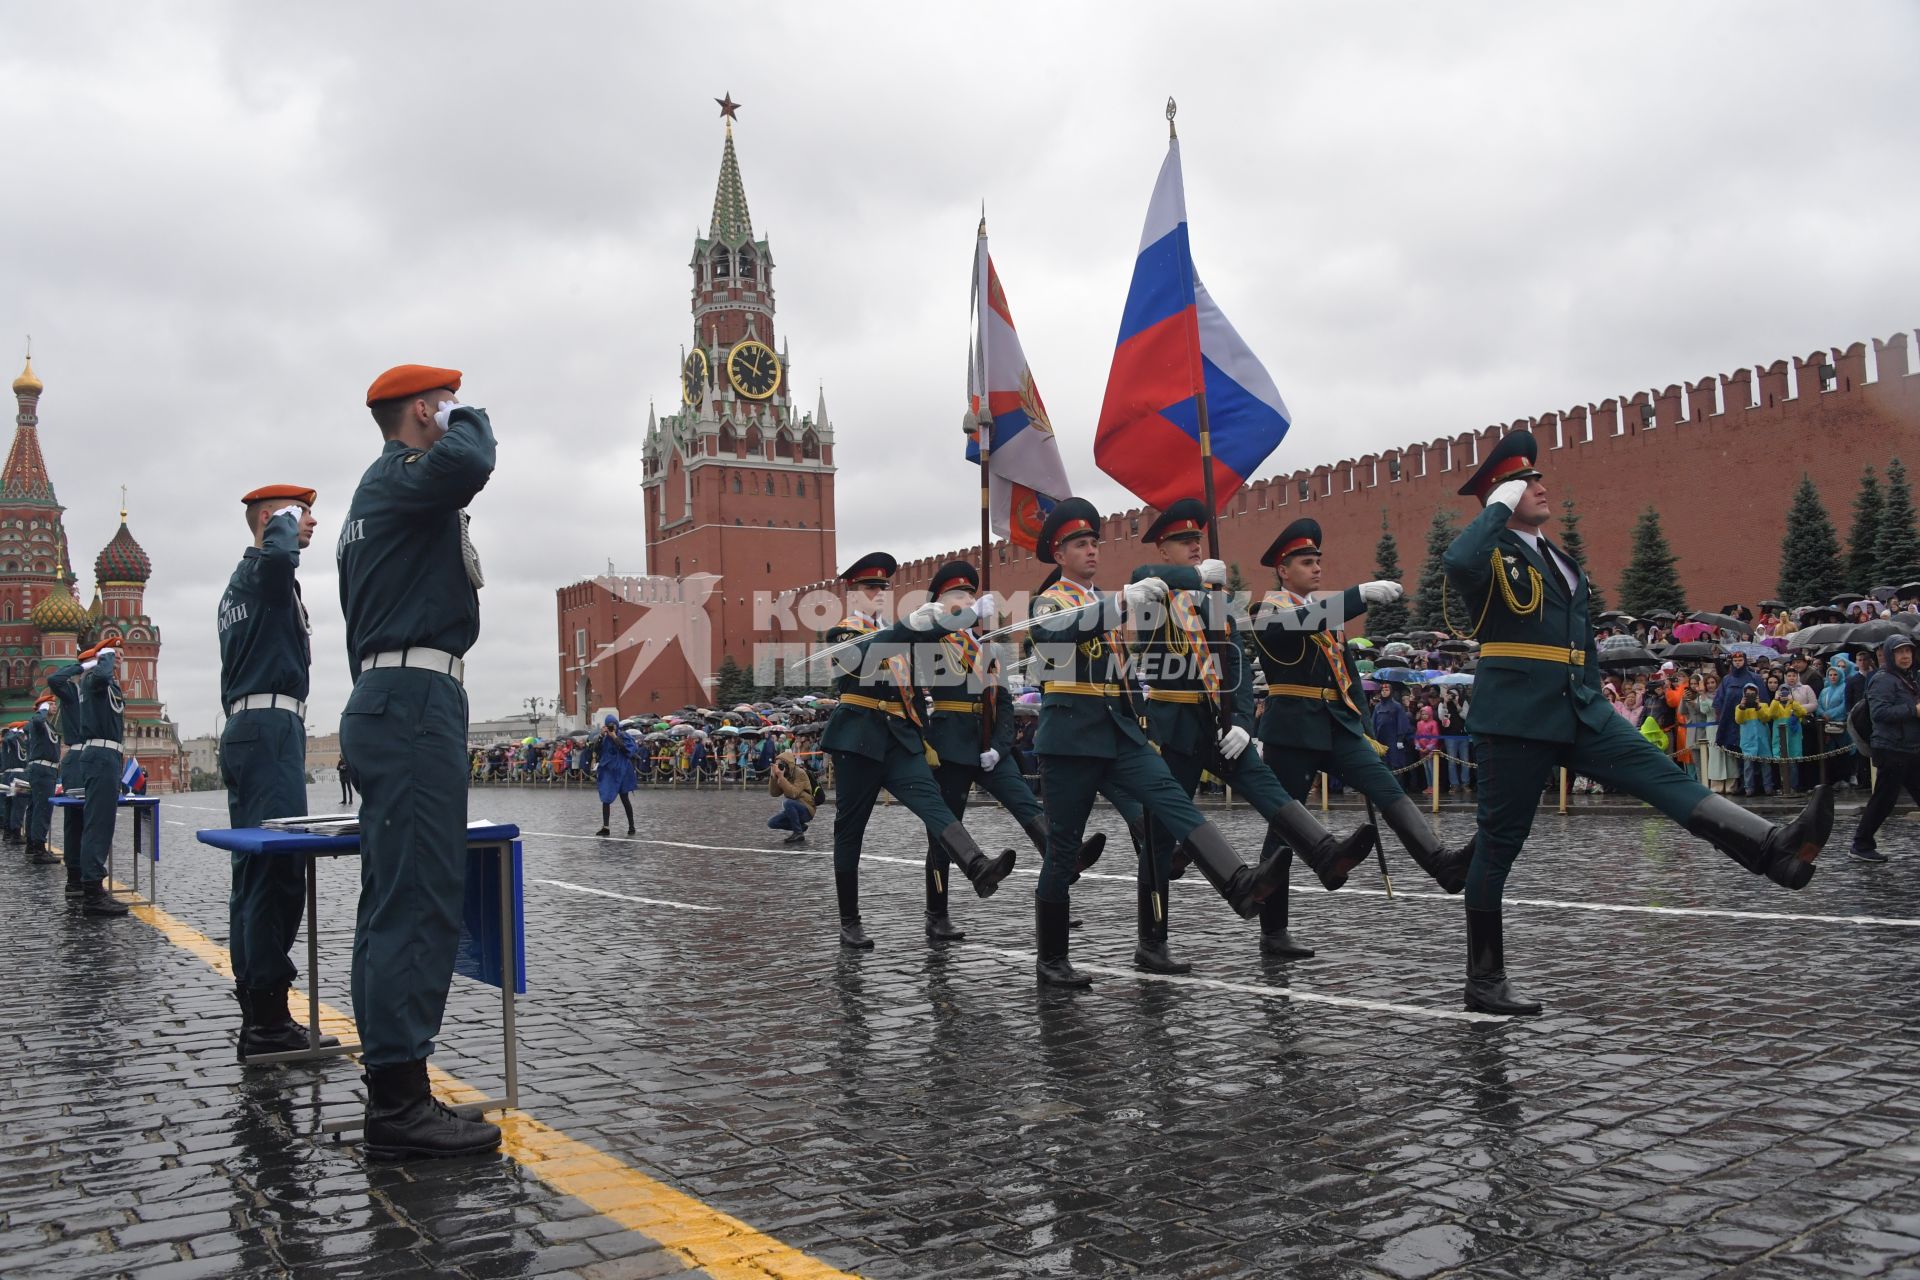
x=1509, y=494
x=1381, y=591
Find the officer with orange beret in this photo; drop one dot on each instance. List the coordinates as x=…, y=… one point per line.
x=13, y=760
x=43, y=752
x=409, y=587
x=91, y=682
x=265, y=658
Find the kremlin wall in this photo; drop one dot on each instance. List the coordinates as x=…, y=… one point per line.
x=1718, y=457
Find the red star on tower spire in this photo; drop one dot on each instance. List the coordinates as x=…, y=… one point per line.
x=728, y=106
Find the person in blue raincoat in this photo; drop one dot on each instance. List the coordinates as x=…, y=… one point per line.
x=614, y=754
x=1393, y=727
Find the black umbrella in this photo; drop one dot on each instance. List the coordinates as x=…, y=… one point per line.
x=1692, y=649
x=1908, y=591
x=1615, y=615
x=1874, y=632
x=1627, y=657
x=1660, y=615
x=1458, y=646
x=1723, y=621
x=1823, y=633
x=1822, y=613
x=1775, y=605
x=1846, y=598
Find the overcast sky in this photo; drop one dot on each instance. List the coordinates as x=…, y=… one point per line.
x=220, y=221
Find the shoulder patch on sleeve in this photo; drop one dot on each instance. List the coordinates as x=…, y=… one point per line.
x=413, y=457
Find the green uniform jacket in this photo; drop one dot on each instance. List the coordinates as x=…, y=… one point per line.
x=1086, y=649
x=955, y=736
x=867, y=731
x=1288, y=655
x=1161, y=656
x=1523, y=697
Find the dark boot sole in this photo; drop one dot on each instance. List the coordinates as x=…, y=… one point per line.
x=108, y=912
x=1504, y=1008
x=1060, y=977
x=860, y=942
x=1284, y=950
x=390, y=1155
x=997, y=870
x=1158, y=962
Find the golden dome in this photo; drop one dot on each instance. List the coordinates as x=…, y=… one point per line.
x=27, y=381
x=59, y=611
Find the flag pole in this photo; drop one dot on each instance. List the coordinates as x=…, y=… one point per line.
x=1200, y=399
x=983, y=416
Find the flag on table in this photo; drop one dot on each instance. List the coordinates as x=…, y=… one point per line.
x=1174, y=341
x=1025, y=476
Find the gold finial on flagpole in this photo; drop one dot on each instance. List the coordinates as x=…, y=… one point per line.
x=1172, y=108
x=983, y=219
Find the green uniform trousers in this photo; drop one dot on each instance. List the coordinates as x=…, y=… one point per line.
x=100, y=775
x=41, y=777
x=1070, y=784
x=857, y=781
x=1003, y=782
x=1351, y=760
x=1247, y=774
x=263, y=763
x=1515, y=771
x=405, y=730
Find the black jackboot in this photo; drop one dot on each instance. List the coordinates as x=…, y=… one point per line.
x=1050, y=938
x=939, y=928
x=1328, y=856
x=1487, y=990
x=1244, y=888
x=42, y=856
x=1274, y=939
x=405, y=1121
x=95, y=900
x=1088, y=853
x=1447, y=867
x=1783, y=854
x=983, y=872
x=1150, y=952
x=846, y=887
x=267, y=1027
x=75, y=887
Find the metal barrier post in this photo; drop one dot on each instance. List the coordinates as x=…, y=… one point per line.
x=1436, y=780
x=1563, y=788
x=1326, y=787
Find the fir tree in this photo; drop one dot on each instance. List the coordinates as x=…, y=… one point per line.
x=1575, y=545
x=1896, y=557
x=1426, y=611
x=1385, y=619
x=1863, y=548
x=1236, y=584
x=734, y=686
x=1650, y=581
x=1810, y=552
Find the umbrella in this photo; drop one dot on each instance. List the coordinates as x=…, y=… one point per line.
x=1846, y=598
x=1627, y=657
x=1691, y=649
x=1776, y=643
x=1749, y=648
x=1869, y=633
x=1660, y=615
x=1025, y=710
x=1822, y=613
x=1775, y=605
x=1458, y=646
x=1884, y=594
x=1359, y=642
x=1616, y=615
x=1822, y=633
x=1908, y=591
x=1687, y=632
x=1723, y=621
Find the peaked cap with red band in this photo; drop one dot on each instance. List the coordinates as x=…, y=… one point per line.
x=411, y=380
x=954, y=573
x=1511, y=459
x=1302, y=537
x=874, y=570
x=1185, y=518
x=290, y=492
x=1069, y=518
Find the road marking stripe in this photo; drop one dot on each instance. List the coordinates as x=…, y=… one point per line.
x=624, y=897
x=1253, y=988
x=700, y=1235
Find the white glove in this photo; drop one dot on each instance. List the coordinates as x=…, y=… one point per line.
x=1144, y=592
x=987, y=609
x=988, y=759
x=1381, y=592
x=1213, y=573
x=927, y=615
x=1509, y=494
x=444, y=412
x=88, y=664
x=293, y=509
x=105, y=653
x=1234, y=741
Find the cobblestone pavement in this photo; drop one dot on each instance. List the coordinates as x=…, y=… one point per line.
x=1724, y=1082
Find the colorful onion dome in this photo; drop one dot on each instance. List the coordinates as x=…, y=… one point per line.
x=59, y=611
x=123, y=559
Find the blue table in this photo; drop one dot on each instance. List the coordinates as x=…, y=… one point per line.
x=492, y=936
x=148, y=805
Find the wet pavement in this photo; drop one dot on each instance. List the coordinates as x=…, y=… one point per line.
x=1726, y=1081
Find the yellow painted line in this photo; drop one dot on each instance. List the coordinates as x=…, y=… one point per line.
x=700, y=1235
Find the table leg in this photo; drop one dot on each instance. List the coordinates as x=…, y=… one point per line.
x=509, y=972
x=313, y=949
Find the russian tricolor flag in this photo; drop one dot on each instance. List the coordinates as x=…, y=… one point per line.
x=1172, y=336
x=1025, y=476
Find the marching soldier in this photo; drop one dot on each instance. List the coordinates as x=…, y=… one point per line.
x=875, y=737
x=1090, y=733
x=43, y=753
x=265, y=656
x=91, y=684
x=1313, y=721
x=970, y=732
x=1537, y=704
x=409, y=587
x=1200, y=715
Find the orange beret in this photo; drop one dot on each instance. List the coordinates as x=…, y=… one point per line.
x=44, y=698
x=268, y=492
x=110, y=639
x=86, y=655
x=411, y=380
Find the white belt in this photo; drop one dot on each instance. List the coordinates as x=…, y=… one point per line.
x=426, y=659
x=45, y=764
x=108, y=743
x=268, y=702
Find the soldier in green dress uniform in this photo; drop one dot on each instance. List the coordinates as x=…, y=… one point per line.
x=1199, y=703
x=1313, y=721
x=1537, y=703
x=1091, y=733
x=409, y=587
x=970, y=733
x=875, y=736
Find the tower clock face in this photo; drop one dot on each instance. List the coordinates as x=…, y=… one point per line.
x=754, y=370
x=693, y=378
